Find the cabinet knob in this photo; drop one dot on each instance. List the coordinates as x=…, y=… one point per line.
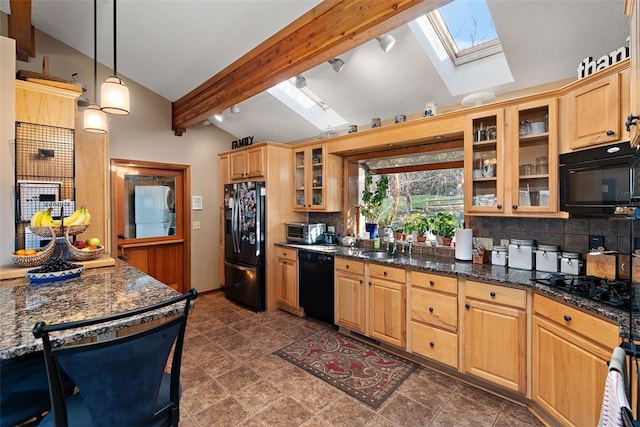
x=431, y=282
x=492, y=294
x=432, y=344
x=499, y=206
x=514, y=206
x=467, y=306
x=361, y=281
x=384, y=273
x=347, y=266
x=431, y=309
x=610, y=132
x=567, y=318
x=369, y=283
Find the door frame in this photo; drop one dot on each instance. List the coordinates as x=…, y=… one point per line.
x=116, y=205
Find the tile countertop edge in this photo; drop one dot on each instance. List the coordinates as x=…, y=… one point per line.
x=488, y=273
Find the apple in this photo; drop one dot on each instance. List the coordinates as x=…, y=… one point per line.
x=79, y=244
x=94, y=241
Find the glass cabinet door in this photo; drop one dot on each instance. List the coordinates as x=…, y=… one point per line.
x=300, y=178
x=484, y=163
x=317, y=167
x=534, y=169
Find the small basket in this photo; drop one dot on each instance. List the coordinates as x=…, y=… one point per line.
x=55, y=231
x=37, y=259
x=78, y=254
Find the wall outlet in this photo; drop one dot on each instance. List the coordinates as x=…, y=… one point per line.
x=504, y=242
x=195, y=225
x=106, y=336
x=486, y=242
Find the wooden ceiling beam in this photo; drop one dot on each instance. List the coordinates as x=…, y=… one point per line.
x=326, y=31
x=21, y=30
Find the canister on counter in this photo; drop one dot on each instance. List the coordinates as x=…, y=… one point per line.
x=547, y=258
x=570, y=263
x=521, y=254
x=499, y=255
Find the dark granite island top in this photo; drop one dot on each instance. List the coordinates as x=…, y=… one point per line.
x=96, y=292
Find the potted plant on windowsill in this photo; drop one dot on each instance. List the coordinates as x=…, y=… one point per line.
x=373, y=195
x=419, y=223
x=444, y=225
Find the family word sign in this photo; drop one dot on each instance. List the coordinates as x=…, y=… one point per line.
x=589, y=66
x=243, y=142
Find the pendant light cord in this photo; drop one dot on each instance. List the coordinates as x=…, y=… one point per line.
x=115, y=68
x=95, y=51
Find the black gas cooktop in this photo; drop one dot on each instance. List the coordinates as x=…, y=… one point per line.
x=615, y=293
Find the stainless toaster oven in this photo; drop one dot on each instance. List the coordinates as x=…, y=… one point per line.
x=306, y=234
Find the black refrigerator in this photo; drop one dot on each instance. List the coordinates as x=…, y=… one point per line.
x=244, y=244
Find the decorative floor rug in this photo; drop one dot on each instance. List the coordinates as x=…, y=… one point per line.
x=366, y=373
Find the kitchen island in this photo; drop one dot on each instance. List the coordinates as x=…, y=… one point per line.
x=96, y=292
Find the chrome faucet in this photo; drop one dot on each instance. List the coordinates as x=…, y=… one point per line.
x=390, y=234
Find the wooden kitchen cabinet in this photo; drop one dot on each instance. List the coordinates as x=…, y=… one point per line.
x=350, y=295
x=632, y=9
x=387, y=304
x=163, y=261
x=511, y=160
x=495, y=334
x=484, y=162
x=247, y=163
x=575, y=346
x=317, y=180
x=533, y=157
x=287, y=280
x=434, y=317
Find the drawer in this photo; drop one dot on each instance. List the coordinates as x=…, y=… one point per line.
x=435, y=281
x=434, y=343
x=388, y=273
x=587, y=325
x=287, y=253
x=346, y=264
x=496, y=294
x=434, y=308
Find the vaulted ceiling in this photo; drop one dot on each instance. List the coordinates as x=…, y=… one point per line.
x=174, y=47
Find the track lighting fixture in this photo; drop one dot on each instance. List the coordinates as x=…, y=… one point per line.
x=336, y=64
x=300, y=81
x=386, y=42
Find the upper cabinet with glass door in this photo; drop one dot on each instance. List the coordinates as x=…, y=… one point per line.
x=484, y=165
x=533, y=154
x=317, y=179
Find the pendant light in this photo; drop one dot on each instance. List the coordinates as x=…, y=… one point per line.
x=114, y=94
x=95, y=120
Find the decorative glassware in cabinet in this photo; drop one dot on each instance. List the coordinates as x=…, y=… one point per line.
x=316, y=176
x=533, y=157
x=299, y=178
x=485, y=164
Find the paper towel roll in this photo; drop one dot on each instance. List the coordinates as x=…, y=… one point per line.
x=464, y=243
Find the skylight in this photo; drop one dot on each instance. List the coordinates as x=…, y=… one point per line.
x=466, y=30
x=307, y=105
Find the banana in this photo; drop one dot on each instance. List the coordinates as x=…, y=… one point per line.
x=71, y=219
x=87, y=216
x=80, y=219
x=46, y=220
x=35, y=219
x=56, y=223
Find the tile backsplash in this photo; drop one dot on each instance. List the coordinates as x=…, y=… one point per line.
x=571, y=235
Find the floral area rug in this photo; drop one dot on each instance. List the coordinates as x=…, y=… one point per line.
x=364, y=372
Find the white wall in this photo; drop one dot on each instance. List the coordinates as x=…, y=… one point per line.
x=7, y=135
x=146, y=135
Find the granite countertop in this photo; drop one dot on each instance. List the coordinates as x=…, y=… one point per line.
x=96, y=292
x=487, y=273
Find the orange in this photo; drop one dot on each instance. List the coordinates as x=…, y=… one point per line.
x=20, y=252
x=30, y=252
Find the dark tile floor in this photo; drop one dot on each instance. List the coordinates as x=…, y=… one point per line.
x=231, y=378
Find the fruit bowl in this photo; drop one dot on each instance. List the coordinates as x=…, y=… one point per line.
x=47, y=231
x=36, y=259
x=79, y=254
x=54, y=276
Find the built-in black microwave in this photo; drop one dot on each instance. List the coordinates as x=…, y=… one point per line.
x=596, y=180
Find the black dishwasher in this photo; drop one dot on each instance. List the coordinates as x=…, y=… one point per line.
x=315, y=279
